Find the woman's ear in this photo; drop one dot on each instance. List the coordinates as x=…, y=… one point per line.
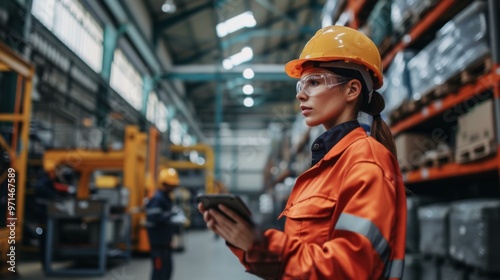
x=354, y=90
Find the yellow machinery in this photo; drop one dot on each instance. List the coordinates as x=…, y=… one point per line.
x=185, y=196
x=13, y=175
x=136, y=162
x=211, y=186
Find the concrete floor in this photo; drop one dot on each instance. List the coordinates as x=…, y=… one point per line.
x=205, y=258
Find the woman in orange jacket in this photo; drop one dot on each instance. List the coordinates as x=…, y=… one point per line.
x=346, y=215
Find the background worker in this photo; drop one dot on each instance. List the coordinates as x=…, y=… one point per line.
x=159, y=212
x=54, y=183
x=346, y=215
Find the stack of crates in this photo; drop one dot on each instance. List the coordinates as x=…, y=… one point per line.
x=458, y=45
x=413, y=259
x=474, y=235
x=454, y=240
x=476, y=133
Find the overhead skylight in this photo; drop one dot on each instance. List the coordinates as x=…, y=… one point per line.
x=233, y=24
x=245, y=55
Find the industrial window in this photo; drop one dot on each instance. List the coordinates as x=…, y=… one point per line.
x=74, y=26
x=187, y=140
x=176, y=132
x=151, y=110
x=157, y=112
x=126, y=80
x=162, y=114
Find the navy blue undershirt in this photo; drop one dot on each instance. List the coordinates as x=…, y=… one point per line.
x=330, y=138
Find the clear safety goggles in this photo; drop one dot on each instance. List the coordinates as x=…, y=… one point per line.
x=318, y=82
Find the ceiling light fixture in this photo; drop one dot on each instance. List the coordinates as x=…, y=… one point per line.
x=248, y=73
x=169, y=7
x=233, y=24
x=247, y=89
x=248, y=102
x=245, y=55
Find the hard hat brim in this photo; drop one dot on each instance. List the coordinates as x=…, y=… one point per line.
x=294, y=67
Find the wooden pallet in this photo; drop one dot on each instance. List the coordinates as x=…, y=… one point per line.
x=470, y=74
x=436, y=158
x=476, y=70
x=475, y=151
x=453, y=84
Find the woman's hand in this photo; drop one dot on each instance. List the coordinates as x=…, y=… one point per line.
x=239, y=233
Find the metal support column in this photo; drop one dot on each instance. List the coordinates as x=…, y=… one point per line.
x=111, y=37
x=218, y=121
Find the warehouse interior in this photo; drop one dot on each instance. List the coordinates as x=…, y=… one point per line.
x=108, y=92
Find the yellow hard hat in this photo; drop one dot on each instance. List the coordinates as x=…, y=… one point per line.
x=343, y=44
x=168, y=176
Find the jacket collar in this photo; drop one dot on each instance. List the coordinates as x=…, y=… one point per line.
x=344, y=143
x=326, y=141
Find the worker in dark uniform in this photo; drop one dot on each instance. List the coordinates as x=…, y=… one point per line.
x=160, y=226
x=53, y=184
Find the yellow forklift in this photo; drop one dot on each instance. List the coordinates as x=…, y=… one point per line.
x=14, y=136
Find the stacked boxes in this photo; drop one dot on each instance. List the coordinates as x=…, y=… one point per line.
x=430, y=269
x=380, y=24
x=422, y=70
x=450, y=240
x=463, y=41
x=452, y=272
x=474, y=232
x=398, y=87
x=405, y=12
x=476, y=133
x=460, y=43
x=411, y=147
x=434, y=229
x=412, y=268
x=413, y=203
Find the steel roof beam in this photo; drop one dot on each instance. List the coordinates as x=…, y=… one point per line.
x=265, y=26
x=166, y=23
x=263, y=72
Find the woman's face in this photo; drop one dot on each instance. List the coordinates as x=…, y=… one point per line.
x=324, y=98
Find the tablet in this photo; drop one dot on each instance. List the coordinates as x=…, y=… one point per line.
x=233, y=202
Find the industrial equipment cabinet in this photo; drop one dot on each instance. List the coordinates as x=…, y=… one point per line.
x=86, y=212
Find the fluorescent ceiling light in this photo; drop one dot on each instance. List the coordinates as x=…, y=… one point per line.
x=245, y=55
x=247, y=89
x=233, y=24
x=248, y=73
x=248, y=102
x=169, y=7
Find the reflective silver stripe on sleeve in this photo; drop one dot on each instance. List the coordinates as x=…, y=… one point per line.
x=348, y=222
x=394, y=269
x=366, y=228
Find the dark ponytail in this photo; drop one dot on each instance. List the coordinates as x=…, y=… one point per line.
x=380, y=130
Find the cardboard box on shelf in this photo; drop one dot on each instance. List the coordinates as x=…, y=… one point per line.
x=411, y=147
x=476, y=133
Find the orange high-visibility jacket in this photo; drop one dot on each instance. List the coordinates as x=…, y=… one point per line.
x=346, y=219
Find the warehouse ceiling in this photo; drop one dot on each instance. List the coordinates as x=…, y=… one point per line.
x=281, y=30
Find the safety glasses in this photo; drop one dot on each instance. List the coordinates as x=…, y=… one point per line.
x=318, y=82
